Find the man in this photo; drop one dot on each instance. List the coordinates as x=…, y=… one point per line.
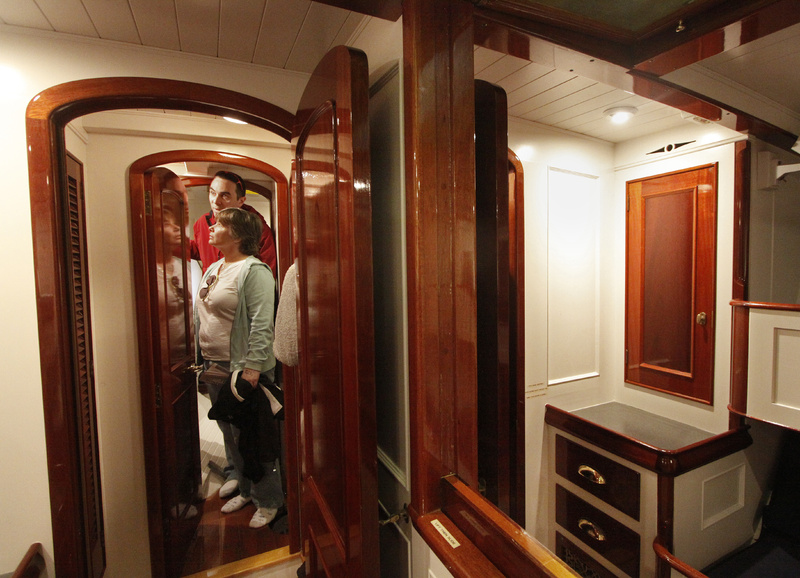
x=227, y=190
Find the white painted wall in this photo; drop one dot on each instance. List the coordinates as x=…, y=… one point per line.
x=545, y=152
x=541, y=150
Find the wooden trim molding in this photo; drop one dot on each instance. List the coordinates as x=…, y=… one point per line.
x=46, y=117
x=660, y=461
x=504, y=542
x=32, y=564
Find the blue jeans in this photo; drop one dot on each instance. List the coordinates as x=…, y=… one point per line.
x=268, y=491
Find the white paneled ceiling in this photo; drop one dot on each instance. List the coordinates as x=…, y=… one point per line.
x=565, y=100
x=290, y=34
x=295, y=34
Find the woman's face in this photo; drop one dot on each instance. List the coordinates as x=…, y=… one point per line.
x=220, y=236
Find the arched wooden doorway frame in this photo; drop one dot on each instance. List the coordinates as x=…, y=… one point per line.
x=280, y=218
x=47, y=115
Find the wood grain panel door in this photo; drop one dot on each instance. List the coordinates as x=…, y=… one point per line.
x=175, y=392
x=670, y=277
x=337, y=368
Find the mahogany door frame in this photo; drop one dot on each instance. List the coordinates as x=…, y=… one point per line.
x=281, y=220
x=46, y=116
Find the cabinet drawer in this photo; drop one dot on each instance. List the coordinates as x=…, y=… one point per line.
x=583, y=564
x=610, y=481
x=611, y=539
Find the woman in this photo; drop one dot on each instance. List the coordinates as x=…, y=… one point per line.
x=234, y=330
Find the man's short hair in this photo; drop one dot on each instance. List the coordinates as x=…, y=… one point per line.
x=241, y=190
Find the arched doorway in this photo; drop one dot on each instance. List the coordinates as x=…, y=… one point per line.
x=278, y=203
x=60, y=278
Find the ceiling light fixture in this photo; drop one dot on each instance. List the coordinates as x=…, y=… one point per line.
x=621, y=114
x=234, y=120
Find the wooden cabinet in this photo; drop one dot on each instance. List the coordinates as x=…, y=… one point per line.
x=620, y=477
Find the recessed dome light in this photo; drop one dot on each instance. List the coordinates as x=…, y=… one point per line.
x=621, y=114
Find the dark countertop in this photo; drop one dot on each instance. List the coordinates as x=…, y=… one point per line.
x=652, y=429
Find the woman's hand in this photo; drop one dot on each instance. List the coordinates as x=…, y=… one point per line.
x=251, y=375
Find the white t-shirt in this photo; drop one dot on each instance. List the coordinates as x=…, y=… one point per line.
x=216, y=313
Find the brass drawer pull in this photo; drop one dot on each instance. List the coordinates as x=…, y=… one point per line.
x=591, y=474
x=592, y=530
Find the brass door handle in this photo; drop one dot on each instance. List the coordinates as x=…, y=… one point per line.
x=591, y=474
x=592, y=530
x=701, y=318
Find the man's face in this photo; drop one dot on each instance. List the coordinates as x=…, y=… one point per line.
x=222, y=195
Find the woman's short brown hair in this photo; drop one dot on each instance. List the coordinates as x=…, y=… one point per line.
x=244, y=226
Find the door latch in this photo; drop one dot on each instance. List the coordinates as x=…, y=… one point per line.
x=401, y=515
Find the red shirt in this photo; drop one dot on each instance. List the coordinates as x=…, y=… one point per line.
x=207, y=254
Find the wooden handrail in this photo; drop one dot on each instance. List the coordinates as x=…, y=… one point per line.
x=763, y=305
x=32, y=564
x=667, y=557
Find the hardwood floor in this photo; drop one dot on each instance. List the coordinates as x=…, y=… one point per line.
x=224, y=538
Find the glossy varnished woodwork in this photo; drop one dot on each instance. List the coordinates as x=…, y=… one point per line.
x=337, y=357
x=516, y=263
x=658, y=460
x=440, y=217
x=32, y=564
x=501, y=540
x=693, y=378
x=387, y=9
x=496, y=396
x=226, y=541
x=629, y=48
x=168, y=350
x=757, y=20
x=46, y=116
x=615, y=484
x=611, y=539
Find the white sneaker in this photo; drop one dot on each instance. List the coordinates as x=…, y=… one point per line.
x=262, y=517
x=229, y=488
x=235, y=503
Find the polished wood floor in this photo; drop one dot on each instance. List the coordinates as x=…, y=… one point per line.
x=224, y=538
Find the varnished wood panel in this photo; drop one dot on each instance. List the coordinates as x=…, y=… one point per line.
x=501, y=540
x=496, y=405
x=440, y=216
x=670, y=283
x=516, y=263
x=337, y=358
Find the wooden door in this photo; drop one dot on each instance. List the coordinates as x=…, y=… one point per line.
x=175, y=391
x=337, y=377
x=670, y=282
